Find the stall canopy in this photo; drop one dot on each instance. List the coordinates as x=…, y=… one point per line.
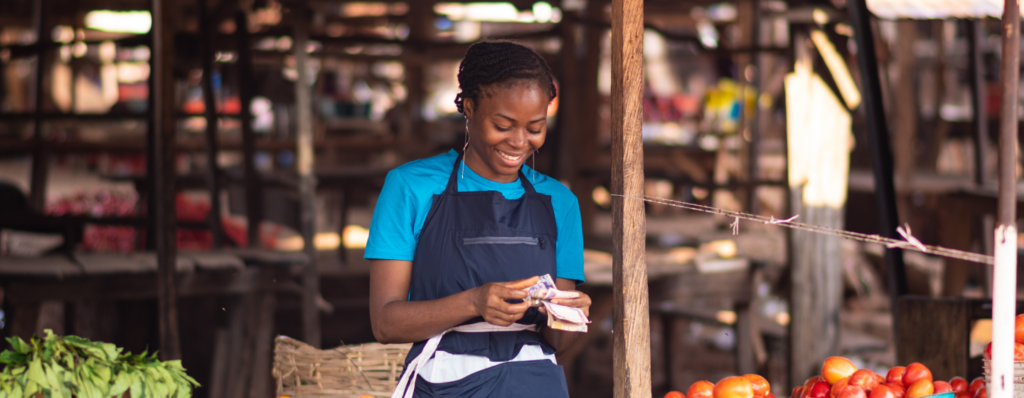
x=936, y=9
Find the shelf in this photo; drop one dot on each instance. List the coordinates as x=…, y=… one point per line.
x=188, y=144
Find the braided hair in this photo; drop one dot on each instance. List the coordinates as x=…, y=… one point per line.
x=490, y=62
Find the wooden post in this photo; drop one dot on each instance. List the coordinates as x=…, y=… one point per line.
x=905, y=104
x=586, y=137
x=975, y=36
x=878, y=141
x=307, y=184
x=40, y=157
x=631, y=315
x=163, y=155
x=210, y=100
x=253, y=194
x=1004, y=285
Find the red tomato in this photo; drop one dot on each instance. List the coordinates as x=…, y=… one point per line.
x=916, y=371
x=976, y=384
x=988, y=351
x=959, y=384
x=1018, y=329
x=941, y=387
x=981, y=393
x=770, y=395
x=864, y=379
x=964, y=395
x=733, y=387
x=920, y=388
x=810, y=382
x=897, y=389
x=882, y=391
x=674, y=394
x=839, y=386
x=761, y=387
x=836, y=368
x=852, y=392
x=1018, y=352
x=820, y=389
x=895, y=375
x=701, y=389
x=797, y=392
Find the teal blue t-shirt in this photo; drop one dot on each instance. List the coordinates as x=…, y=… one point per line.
x=409, y=191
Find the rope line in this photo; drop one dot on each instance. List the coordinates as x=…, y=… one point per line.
x=910, y=242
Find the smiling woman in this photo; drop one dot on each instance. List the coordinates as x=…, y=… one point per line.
x=456, y=238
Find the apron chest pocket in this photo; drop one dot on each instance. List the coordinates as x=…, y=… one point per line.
x=504, y=240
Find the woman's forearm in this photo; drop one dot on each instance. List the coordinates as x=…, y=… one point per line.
x=403, y=321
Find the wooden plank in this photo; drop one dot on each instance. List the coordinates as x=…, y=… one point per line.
x=136, y=263
x=86, y=319
x=934, y=332
x=40, y=156
x=905, y=103
x=307, y=183
x=140, y=286
x=57, y=266
x=220, y=362
x=264, y=341
x=164, y=212
x=975, y=31
x=51, y=317
x=213, y=261
x=631, y=314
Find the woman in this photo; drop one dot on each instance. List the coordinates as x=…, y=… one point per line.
x=455, y=239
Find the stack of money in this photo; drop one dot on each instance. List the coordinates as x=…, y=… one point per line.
x=560, y=317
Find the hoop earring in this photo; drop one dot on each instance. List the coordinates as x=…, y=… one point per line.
x=464, y=148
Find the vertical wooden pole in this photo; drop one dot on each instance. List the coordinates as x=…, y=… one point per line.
x=1004, y=285
x=307, y=183
x=631, y=318
x=253, y=194
x=40, y=157
x=210, y=100
x=878, y=141
x=753, y=154
x=164, y=214
x=905, y=105
x=590, y=104
x=975, y=35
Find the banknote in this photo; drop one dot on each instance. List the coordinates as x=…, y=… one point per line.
x=560, y=317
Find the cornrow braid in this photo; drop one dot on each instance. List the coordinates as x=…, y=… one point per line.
x=498, y=61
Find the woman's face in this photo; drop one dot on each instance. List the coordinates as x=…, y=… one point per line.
x=506, y=126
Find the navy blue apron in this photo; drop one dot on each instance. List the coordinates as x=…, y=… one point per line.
x=473, y=238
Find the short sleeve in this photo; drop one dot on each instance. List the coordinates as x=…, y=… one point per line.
x=392, y=229
x=569, y=253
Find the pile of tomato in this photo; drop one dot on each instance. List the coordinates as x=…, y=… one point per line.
x=840, y=378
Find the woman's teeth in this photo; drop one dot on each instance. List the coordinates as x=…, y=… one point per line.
x=509, y=157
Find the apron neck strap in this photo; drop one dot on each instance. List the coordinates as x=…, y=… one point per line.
x=453, y=180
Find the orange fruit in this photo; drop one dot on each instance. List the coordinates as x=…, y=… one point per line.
x=733, y=387
x=701, y=389
x=760, y=384
x=920, y=388
x=836, y=368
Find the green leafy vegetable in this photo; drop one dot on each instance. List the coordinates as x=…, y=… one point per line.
x=72, y=366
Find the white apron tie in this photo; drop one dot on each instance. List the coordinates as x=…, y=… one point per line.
x=407, y=384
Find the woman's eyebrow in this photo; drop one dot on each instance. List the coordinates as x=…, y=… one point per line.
x=514, y=120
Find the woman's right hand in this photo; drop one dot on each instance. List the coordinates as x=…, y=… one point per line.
x=490, y=301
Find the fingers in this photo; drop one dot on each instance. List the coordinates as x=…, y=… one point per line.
x=522, y=283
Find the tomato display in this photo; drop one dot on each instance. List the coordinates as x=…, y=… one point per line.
x=959, y=384
x=921, y=388
x=895, y=375
x=915, y=372
x=674, y=394
x=760, y=384
x=733, y=387
x=882, y=391
x=865, y=379
x=701, y=389
x=976, y=384
x=941, y=387
x=836, y=368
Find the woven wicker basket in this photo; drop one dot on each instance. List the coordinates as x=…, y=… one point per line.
x=1018, y=376
x=350, y=371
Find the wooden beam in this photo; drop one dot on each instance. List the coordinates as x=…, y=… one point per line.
x=1004, y=285
x=163, y=212
x=975, y=30
x=878, y=141
x=631, y=314
x=307, y=182
x=210, y=100
x=253, y=194
x=40, y=157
